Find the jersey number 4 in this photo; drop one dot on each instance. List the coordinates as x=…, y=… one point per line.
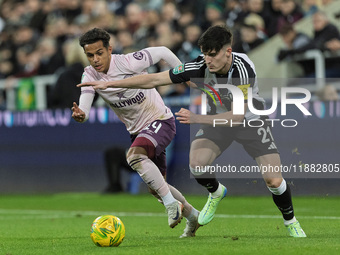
x=156, y=126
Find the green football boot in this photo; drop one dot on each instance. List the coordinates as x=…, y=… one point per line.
x=295, y=230
x=208, y=211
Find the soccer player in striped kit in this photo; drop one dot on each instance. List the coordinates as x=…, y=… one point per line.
x=150, y=123
x=218, y=64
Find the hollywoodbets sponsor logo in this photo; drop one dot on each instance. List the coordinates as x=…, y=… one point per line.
x=131, y=101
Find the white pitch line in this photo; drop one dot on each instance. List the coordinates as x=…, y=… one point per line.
x=48, y=214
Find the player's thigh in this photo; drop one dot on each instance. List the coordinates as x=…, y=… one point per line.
x=257, y=141
x=135, y=151
x=155, y=137
x=209, y=143
x=270, y=164
x=203, y=152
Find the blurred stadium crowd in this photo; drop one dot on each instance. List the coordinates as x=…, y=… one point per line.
x=39, y=37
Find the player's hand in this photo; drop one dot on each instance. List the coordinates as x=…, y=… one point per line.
x=95, y=84
x=185, y=116
x=78, y=115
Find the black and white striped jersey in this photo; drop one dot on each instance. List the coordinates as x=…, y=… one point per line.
x=241, y=74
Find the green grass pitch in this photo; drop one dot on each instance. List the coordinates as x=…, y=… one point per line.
x=60, y=224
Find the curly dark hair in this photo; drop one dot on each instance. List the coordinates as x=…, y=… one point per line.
x=215, y=38
x=95, y=35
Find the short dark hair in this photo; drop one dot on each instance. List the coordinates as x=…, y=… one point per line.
x=215, y=38
x=95, y=35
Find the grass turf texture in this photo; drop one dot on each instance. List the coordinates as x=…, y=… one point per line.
x=60, y=224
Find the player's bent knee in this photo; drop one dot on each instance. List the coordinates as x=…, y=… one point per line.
x=198, y=170
x=135, y=160
x=195, y=162
x=198, y=166
x=273, y=182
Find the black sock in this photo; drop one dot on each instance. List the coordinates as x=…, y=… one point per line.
x=208, y=181
x=284, y=203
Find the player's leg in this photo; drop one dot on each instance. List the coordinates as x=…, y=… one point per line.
x=139, y=160
x=280, y=192
x=188, y=209
x=189, y=212
x=260, y=145
x=202, y=153
x=147, y=157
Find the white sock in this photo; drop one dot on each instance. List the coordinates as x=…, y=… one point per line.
x=193, y=215
x=178, y=196
x=287, y=222
x=168, y=199
x=218, y=192
x=279, y=190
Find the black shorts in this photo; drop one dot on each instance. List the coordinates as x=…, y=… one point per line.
x=257, y=141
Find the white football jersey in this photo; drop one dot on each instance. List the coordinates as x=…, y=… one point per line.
x=136, y=108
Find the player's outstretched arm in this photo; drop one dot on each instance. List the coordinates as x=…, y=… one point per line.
x=146, y=81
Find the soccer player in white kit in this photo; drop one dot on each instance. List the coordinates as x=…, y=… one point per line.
x=150, y=123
